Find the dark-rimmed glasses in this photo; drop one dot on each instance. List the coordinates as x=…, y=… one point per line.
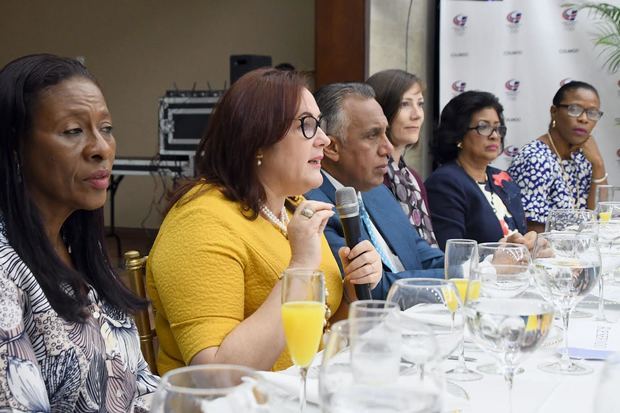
x=487, y=130
x=310, y=124
x=574, y=111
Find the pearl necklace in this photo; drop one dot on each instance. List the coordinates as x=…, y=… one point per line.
x=280, y=223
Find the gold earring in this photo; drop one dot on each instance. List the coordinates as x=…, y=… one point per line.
x=259, y=160
x=552, y=123
x=459, y=145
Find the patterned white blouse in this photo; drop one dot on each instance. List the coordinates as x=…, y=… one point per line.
x=48, y=364
x=545, y=185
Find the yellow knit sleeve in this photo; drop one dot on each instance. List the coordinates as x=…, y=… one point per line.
x=197, y=269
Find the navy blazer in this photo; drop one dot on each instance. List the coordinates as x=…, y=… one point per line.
x=459, y=209
x=418, y=258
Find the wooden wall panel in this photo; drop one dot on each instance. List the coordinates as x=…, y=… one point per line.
x=340, y=46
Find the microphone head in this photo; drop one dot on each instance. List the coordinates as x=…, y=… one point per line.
x=346, y=202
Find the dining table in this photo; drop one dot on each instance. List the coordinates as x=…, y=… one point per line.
x=534, y=390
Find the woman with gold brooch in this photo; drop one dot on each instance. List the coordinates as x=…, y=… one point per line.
x=468, y=197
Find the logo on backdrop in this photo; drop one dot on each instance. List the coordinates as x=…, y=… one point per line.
x=570, y=14
x=569, y=17
x=511, y=151
x=514, y=17
x=458, y=24
x=512, y=85
x=459, y=20
x=512, y=88
x=514, y=21
x=459, y=86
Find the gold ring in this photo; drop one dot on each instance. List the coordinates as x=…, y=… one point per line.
x=307, y=212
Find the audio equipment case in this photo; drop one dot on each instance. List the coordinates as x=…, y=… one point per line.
x=183, y=119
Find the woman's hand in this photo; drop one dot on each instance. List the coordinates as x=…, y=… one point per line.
x=593, y=154
x=529, y=239
x=305, y=232
x=362, y=265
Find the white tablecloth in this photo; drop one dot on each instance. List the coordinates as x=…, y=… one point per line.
x=534, y=391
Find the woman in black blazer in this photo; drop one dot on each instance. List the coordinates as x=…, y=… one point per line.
x=467, y=197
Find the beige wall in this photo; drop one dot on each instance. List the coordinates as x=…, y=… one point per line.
x=386, y=50
x=138, y=48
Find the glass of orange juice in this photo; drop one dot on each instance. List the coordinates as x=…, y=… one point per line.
x=303, y=318
x=459, y=256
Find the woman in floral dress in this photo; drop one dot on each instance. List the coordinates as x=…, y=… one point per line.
x=67, y=340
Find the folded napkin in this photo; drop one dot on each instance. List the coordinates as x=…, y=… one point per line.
x=290, y=384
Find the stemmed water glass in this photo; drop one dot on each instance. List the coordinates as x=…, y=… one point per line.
x=459, y=256
x=436, y=304
x=210, y=387
x=508, y=328
x=567, y=267
x=341, y=390
x=607, y=193
x=303, y=318
x=503, y=270
x=576, y=220
x=608, y=214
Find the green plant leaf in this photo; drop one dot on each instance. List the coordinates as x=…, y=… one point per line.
x=608, y=36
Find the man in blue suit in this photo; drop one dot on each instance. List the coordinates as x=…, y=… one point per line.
x=357, y=157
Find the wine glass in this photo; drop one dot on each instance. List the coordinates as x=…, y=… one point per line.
x=436, y=304
x=569, y=220
x=607, y=193
x=578, y=220
x=608, y=214
x=303, y=318
x=460, y=254
x=508, y=328
x=567, y=267
x=217, y=387
x=340, y=390
x=503, y=270
x=607, y=397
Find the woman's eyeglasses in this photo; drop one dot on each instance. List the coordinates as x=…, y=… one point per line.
x=310, y=124
x=487, y=130
x=574, y=111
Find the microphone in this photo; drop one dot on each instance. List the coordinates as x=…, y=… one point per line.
x=349, y=211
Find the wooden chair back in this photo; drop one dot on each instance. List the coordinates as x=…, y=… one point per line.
x=135, y=269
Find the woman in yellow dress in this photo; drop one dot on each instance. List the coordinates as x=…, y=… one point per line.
x=214, y=271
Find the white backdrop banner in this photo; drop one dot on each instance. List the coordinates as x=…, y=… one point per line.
x=523, y=51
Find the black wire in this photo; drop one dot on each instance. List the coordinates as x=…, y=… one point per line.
x=407, y=36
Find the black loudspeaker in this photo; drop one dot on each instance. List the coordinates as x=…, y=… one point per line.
x=242, y=64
